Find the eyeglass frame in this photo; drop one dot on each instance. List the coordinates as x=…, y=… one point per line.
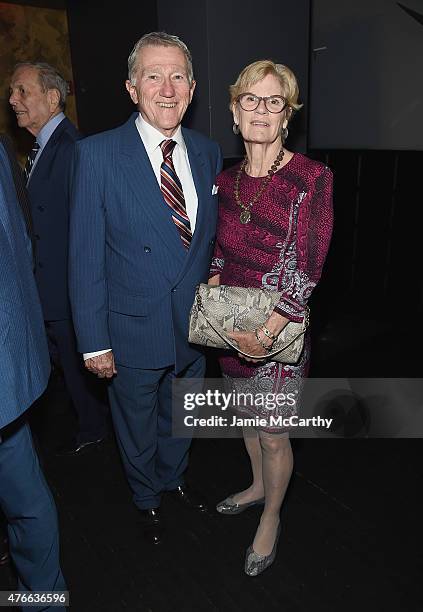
x=264, y=98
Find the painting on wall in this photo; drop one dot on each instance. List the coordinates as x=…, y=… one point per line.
x=30, y=33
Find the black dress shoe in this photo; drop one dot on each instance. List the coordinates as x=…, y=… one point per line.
x=152, y=524
x=189, y=497
x=77, y=448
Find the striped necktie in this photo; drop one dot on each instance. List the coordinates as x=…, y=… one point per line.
x=172, y=192
x=30, y=159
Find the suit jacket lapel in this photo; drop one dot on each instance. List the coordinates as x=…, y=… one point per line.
x=140, y=175
x=43, y=164
x=197, y=164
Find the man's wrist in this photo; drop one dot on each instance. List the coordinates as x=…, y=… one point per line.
x=95, y=354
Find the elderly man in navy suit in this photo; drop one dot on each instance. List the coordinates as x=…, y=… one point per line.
x=143, y=223
x=38, y=96
x=25, y=498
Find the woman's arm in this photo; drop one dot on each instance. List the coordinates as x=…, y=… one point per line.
x=214, y=280
x=314, y=231
x=217, y=264
x=255, y=342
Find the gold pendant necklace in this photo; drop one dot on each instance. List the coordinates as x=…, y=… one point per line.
x=245, y=215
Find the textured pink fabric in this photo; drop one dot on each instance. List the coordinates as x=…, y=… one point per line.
x=282, y=248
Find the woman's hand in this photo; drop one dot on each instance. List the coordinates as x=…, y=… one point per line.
x=214, y=281
x=248, y=343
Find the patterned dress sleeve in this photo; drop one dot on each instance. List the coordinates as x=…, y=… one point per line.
x=217, y=262
x=306, y=253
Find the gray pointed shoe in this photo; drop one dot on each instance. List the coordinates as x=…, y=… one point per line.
x=228, y=506
x=255, y=564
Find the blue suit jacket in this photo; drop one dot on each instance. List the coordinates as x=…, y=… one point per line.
x=24, y=358
x=49, y=192
x=132, y=282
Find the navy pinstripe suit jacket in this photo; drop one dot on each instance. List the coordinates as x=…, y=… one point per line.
x=20, y=186
x=132, y=282
x=24, y=358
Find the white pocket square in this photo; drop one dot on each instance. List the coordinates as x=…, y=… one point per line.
x=215, y=189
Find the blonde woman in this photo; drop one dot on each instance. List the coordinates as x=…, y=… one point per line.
x=274, y=228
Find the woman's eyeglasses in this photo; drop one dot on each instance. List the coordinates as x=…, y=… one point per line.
x=274, y=104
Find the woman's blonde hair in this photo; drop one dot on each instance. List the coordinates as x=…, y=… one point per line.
x=255, y=72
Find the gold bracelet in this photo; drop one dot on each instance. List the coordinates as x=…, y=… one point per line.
x=266, y=348
x=268, y=333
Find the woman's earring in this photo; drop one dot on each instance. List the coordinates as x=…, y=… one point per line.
x=284, y=134
x=235, y=129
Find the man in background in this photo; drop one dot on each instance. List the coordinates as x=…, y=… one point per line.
x=38, y=96
x=23, y=201
x=25, y=498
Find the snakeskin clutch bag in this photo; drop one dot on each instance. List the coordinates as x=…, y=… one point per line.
x=222, y=309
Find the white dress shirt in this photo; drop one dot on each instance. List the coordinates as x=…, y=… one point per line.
x=151, y=139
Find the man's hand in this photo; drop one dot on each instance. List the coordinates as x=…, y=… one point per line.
x=102, y=365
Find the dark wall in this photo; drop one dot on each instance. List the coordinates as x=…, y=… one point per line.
x=102, y=36
x=374, y=263
x=226, y=36
x=366, y=87
x=192, y=27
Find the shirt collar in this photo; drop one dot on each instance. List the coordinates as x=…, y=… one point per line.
x=152, y=137
x=47, y=130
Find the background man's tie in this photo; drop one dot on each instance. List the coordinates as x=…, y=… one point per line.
x=30, y=159
x=172, y=192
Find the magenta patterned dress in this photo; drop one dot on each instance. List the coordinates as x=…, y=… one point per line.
x=283, y=248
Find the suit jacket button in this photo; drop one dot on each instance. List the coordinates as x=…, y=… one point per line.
x=174, y=289
x=147, y=249
x=41, y=208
